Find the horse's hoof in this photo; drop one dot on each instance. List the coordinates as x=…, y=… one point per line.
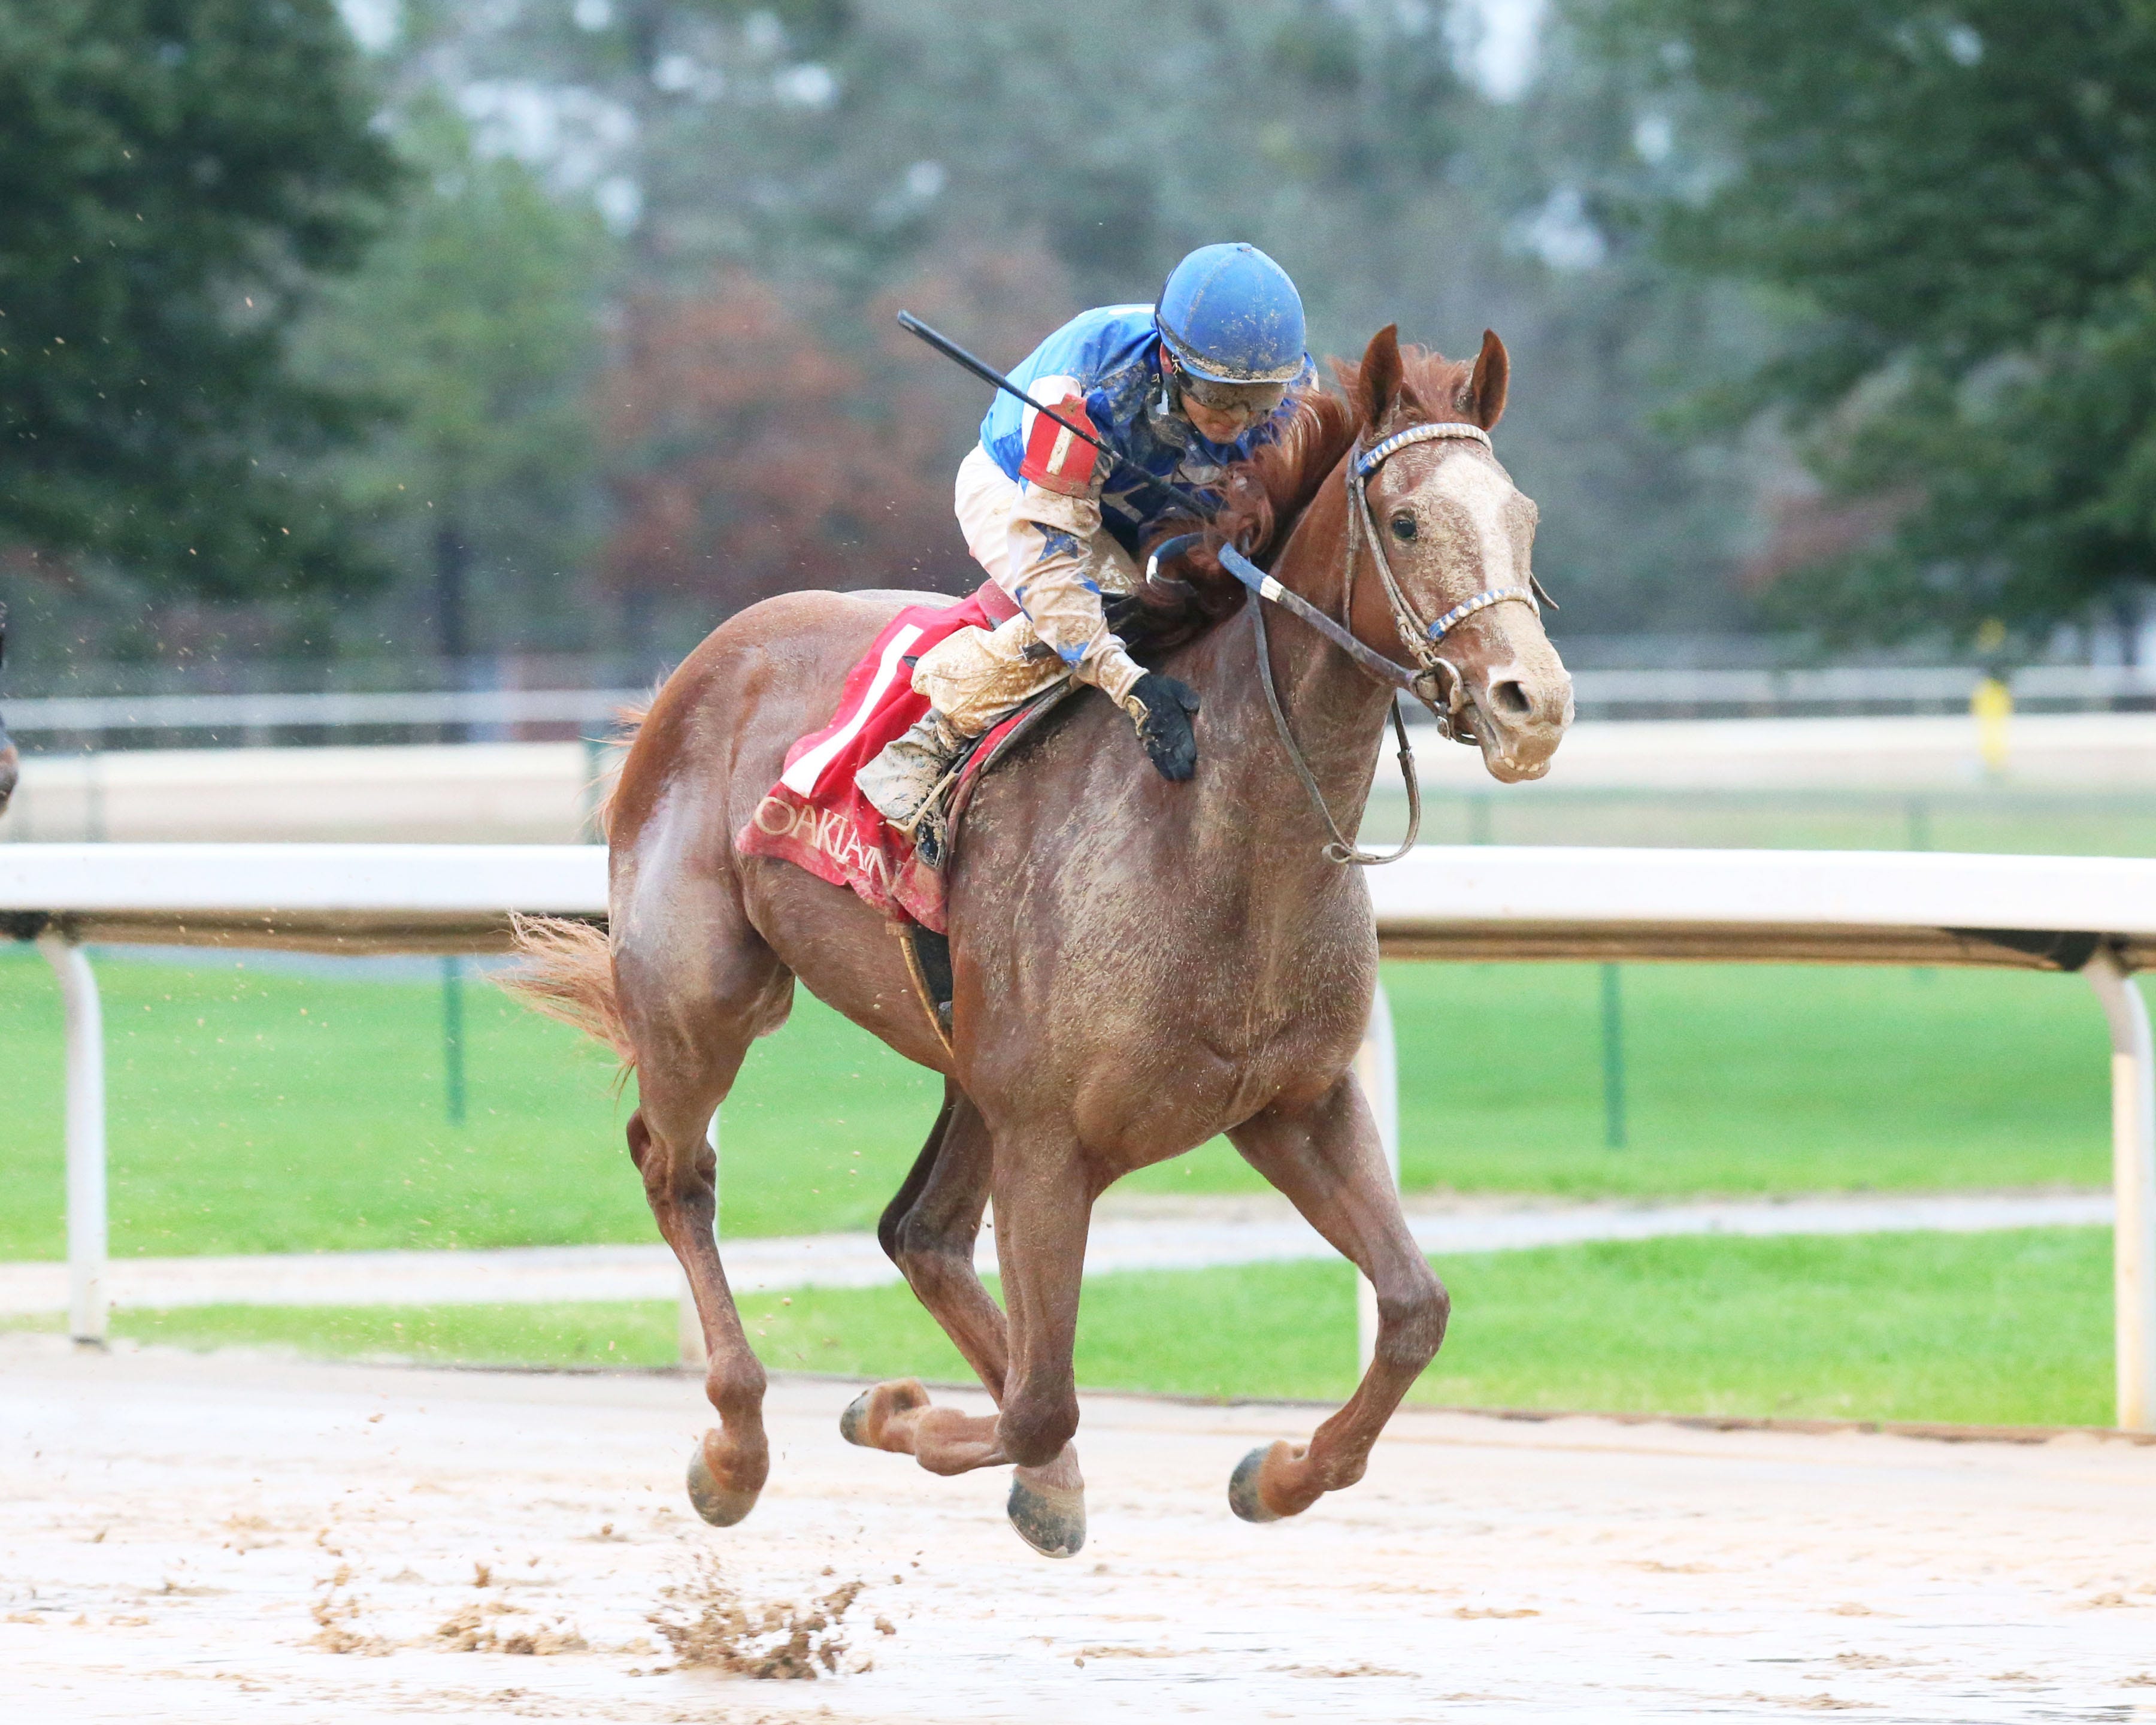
x=721, y=1506
x=1051, y=1519
x=1243, y=1488
x=854, y=1425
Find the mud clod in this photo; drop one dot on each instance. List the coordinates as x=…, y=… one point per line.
x=710, y=1626
x=335, y=1619
x=468, y=1631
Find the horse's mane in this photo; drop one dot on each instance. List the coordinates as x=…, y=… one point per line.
x=1266, y=495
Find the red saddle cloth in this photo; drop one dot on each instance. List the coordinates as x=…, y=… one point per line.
x=816, y=818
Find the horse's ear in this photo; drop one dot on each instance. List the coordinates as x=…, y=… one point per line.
x=1378, y=382
x=1485, y=401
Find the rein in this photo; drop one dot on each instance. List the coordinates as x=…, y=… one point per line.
x=1438, y=679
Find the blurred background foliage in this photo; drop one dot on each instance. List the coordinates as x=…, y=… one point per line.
x=563, y=326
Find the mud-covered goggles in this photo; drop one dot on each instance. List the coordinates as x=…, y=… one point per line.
x=1252, y=401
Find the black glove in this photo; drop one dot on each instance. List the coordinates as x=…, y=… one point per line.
x=1163, y=707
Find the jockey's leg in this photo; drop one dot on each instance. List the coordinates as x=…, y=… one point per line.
x=1057, y=569
x=971, y=678
x=900, y=781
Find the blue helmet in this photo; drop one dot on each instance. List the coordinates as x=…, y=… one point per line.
x=1230, y=313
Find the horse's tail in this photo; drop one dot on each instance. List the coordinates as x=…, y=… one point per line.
x=567, y=974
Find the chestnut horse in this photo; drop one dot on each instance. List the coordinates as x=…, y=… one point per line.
x=1138, y=965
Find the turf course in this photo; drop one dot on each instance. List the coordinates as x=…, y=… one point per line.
x=256, y=1109
x=2009, y=1328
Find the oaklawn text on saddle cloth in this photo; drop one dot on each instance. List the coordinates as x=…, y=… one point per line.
x=815, y=817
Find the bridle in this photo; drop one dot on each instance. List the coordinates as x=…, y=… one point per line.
x=1434, y=680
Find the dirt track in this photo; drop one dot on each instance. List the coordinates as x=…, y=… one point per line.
x=174, y=1527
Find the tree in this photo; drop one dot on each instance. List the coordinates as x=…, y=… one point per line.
x=1958, y=205
x=176, y=175
x=476, y=319
x=749, y=455
x=783, y=173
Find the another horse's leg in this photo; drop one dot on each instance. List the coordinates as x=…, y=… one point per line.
x=929, y=1230
x=1326, y=1158
x=695, y=991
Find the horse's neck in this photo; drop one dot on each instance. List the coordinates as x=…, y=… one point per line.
x=1335, y=712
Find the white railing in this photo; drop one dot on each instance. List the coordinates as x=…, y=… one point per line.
x=1798, y=689
x=97, y=714
x=2097, y=915
x=1600, y=692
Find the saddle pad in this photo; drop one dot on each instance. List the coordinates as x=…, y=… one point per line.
x=816, y=818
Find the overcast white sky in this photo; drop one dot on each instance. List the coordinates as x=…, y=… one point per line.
x=1500, y=36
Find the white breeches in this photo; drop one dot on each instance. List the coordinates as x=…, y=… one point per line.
x=1057, y=568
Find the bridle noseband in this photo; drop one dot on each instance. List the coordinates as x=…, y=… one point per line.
x=1434, y=680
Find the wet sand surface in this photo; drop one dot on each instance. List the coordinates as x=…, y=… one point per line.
x=235, y=1537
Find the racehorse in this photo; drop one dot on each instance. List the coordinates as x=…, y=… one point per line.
x=10, y=762
x=1137, y=965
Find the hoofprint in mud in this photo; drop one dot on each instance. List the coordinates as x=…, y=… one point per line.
x=236, y=1538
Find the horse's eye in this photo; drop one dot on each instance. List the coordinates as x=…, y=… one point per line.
x=1404, y=525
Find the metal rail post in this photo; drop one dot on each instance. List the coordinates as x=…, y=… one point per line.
x=1377, y=1070
x=689, y=1327
x=1613, y=1059
x=2134, y=1182
x=86, y=1231
x=453, y=1039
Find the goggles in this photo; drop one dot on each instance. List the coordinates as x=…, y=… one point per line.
x=1250, y=401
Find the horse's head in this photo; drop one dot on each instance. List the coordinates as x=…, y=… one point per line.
x=1454, y=531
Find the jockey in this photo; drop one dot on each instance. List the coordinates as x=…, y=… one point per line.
x=1178, y=390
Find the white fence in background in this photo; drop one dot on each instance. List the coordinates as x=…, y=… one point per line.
x=2097, y=915
x=94, y=715
x=1613, y=693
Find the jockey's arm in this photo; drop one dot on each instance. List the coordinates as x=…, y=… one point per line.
x=1058, y=549
x=1055, y=562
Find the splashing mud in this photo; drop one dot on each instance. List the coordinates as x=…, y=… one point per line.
x=709, y=1624
x=468, y=1631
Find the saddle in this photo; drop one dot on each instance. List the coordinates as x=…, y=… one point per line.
x=815, y=818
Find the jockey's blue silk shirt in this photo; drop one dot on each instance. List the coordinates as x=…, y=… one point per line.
x=1111, y=357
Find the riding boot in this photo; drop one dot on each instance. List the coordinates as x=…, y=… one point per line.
x=900, y=780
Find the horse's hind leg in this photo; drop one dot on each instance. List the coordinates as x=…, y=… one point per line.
x=1326, y=1159
x=928, y=1230
x=694, y=994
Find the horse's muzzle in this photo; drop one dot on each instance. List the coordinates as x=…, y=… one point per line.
x=10, y=769
x=1519, y=719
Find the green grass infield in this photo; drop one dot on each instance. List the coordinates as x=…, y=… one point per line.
x=254, y=1109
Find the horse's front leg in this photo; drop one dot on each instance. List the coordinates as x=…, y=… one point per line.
x=1044, y=1197
x=1326, y=1157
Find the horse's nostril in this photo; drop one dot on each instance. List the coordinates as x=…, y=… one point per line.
x=1510, y=697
